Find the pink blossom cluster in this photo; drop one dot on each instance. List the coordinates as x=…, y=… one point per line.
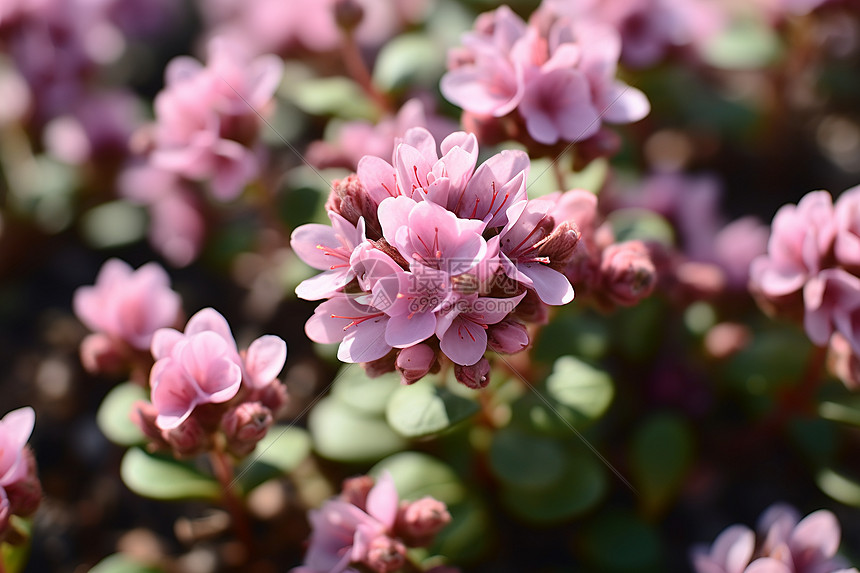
x=558, y=75
x=431, y=256
x=368, y=527
x=202, y=385
x=649, y=29
x=812, y=268
x=20, y=490
x=208, y=117
x=124, y=309
x=782, y=543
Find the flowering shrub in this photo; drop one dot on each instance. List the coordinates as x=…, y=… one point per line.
x=518, y=254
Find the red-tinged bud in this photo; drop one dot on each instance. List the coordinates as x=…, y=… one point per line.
x=385, y=555
x=143, y=414
x=507, y=337
x=348, y=14
x=415, y=362
x=627, y=273
x=532, y=309
x=273, y=396
x=419, y=521
x=381, y=366
x=560, y=245
x=350, y=200
x=188, y=439
x=355, y=490
x=476, y=376
x=101, y=354
x=244, y=426
x=25, y=495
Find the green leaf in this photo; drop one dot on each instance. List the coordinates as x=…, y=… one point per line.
x=119, y=563
x=113, y=224
x=114, y=414
x=417, y=475
x=586, y=390
x=661, y=454
x=632, y=223
x=395, y=67
x=344, y=434
x=525, y=460
x=579, y=487
x=279, y=453
x=15, y=557
x=158, y=476
x=845, y=410
x=747, y=43
x=368, y=395
x=619, y=541
x=469, y=534
x=840, y=487
x=336, y=96
x=422, y=409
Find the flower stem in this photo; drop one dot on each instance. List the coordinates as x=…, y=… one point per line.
x=356, y=68
x=223, y=468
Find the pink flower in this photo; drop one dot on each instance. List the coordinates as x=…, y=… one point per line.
x=128, y=305
x=831, y=298
x=730, y=553
x=462, y=328
x=15, y=429
x=800, y=244
x=328, y=249
x=359, y=328
x=207, y=120
x=847, y=243
x=203, y=366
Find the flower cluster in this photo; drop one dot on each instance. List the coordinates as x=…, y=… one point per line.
x=431, y=254
x=812, y=268
x=786, y=544
x=369, y=527
x=207, y=118
x=559, y=76
x=20, y=490
x=202, y=385
x=124, y=309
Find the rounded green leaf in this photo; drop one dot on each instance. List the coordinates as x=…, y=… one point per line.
x=633, y=223
x=469, y=534
x=840, y=487
x=161, y=477
x=526, y=461
x=586, y=390
x=344, y=434
x=661, y=454
x=395, y=66
x=337, y=96
x=119, y=563
x=619, y=541
x=423, y=408
x=417, y=475
x=581, y=486
x=114, y=414
x=356, y=389
x=748, y=43
x=113, y=224
x=279, y=453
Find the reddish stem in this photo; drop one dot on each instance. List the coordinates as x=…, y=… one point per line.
x=358, y=70
x=223, y=468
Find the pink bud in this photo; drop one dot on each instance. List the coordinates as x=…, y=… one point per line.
x=532, y=309
x=380, y=366
x=414, y=362
x=355, y=490
x=245, y=425
x=560, y=245
x=143, y=414
x=385, y=554
x=507, y=336
x=628, y=273
x=188, y=438
x=476, y=376
x=102, y=354
x=348, y=14
x=350, y=200
x=419, y=521
x=273, y=396
x=25, y=495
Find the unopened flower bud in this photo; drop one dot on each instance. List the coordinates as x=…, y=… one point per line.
x=101, y=354
x=25, y=495
x=488, y=129
x=143, y=414
x=628, y=275
x=188, y=438
x=415, y=362
x=532, y=309
x=273, y=396
x=385, y=554
x=245, y=425
x=507, y=336
x=419, y=521
x=355, y=490
x=476, y=376
x=560, y=245
x=380, y=366
x=350, y=200
x=348, y=14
